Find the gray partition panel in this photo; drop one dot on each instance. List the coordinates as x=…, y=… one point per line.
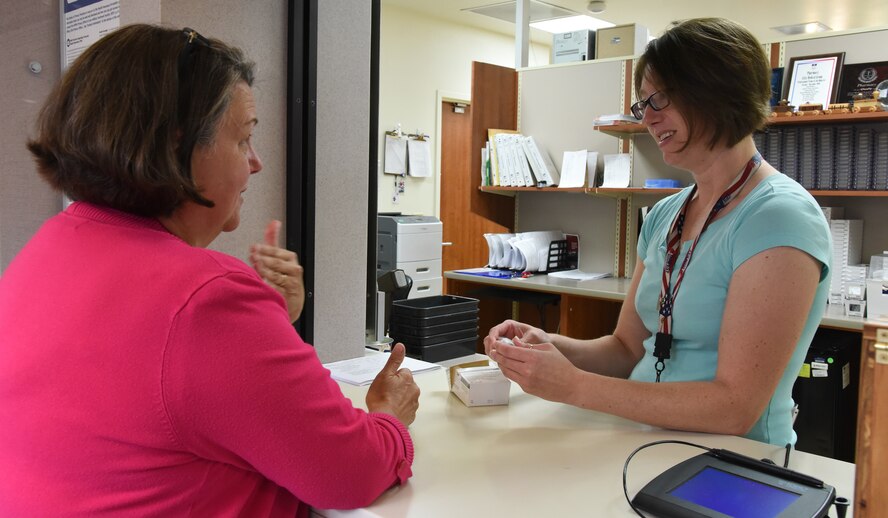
x=557, y=106
x=592, y=218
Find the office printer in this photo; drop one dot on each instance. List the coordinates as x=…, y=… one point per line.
x=412, y=244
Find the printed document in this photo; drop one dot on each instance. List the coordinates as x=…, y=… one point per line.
x=419, y=158
x=363, y=370
x=395, y=155
x=616, y=170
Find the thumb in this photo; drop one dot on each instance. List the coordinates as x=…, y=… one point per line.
x=396, y=357
x=273, y=232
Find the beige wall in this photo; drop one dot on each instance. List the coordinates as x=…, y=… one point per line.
x=419, y=57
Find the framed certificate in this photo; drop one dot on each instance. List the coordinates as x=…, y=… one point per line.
x=814, y=79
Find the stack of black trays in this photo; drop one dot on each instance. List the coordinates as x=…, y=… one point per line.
x=435, y=328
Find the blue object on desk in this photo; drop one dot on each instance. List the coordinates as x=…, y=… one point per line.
x=491, y=272
x=661, y=183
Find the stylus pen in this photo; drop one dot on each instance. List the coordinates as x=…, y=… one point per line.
x=773, y=469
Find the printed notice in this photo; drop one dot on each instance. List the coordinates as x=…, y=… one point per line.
x=86, y=21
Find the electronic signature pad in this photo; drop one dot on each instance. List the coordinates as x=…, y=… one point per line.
x=721, y=483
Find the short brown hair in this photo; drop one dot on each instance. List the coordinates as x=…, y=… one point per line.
x=120, y=127
x=716, y=74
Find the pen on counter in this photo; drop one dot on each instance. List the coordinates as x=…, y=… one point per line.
x=773, y=469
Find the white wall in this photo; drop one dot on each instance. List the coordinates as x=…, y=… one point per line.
x=420, y=56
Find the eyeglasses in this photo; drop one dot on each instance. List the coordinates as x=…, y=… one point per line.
x=657, y=101
x=192, y=39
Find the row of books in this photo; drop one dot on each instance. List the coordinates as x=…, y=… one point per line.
x=845, y=158
x=511, y=159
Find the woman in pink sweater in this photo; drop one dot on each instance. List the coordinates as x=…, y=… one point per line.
x=141, y=373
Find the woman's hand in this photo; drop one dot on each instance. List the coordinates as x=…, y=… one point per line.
x=280, y=268
x=393, y=391
x=512, y=329
x=539, y=368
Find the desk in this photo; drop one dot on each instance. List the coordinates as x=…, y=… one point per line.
x=537, y=458
x=596, y=299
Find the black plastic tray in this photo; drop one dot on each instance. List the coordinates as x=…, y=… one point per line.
x=396, y=328
x=405, y=320
x=433, y=306
x=410, y=340
x=444, y=351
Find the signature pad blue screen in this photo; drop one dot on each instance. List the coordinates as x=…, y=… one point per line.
x=734, y=495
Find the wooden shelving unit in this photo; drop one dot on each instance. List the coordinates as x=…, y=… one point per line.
x=629, y=129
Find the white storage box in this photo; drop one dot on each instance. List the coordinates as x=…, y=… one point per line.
x=481, y=386
x=877, y=299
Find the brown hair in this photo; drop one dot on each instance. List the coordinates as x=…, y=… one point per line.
x=120, y=127
x=716, y=74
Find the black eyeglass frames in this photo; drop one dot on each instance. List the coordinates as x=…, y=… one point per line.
x=657, y=101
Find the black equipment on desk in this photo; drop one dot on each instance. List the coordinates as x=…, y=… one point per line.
x=723, y=483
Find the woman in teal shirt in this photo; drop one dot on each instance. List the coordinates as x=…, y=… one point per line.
x=732, y=274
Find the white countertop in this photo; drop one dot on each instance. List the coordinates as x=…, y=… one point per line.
x=537, y=458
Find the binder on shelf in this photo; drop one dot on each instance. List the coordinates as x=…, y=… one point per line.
x=498, y=173
x=773, y=145
x=790, y=149
x=862, y=178
x=826, y=156
x=540, y=163
x=518, y=161
x=844, y=158
x=808, y=157
x=880, y=160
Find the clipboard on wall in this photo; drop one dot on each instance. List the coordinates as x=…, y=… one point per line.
x=395, y=157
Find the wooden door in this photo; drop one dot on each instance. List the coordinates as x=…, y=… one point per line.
x=459, y=225
x=466, y=212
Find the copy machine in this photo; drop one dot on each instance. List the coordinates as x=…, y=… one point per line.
x=412, y=244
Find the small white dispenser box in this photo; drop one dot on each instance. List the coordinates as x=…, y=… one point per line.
x=480, y=385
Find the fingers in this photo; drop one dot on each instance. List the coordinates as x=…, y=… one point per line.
x=273, y=233
x=396, y=357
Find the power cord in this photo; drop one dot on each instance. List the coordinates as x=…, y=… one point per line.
x=642, y=447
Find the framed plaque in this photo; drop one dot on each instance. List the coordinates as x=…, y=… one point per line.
x=814, y=79
x=861, y=78
x=776, y=85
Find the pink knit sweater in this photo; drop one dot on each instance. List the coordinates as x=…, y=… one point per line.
x=142, y=376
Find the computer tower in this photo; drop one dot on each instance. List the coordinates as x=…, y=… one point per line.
x=826, y=393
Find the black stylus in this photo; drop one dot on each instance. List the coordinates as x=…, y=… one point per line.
x=773, y=469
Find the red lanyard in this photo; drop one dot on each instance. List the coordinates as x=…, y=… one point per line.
x=663, y=340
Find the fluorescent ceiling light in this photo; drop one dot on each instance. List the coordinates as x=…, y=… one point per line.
x=570, y=24
x=802, y=28
x=506, y=11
